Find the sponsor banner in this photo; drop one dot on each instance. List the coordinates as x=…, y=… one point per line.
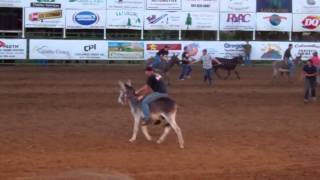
x=127, y=4
x=68, y=49
x=274, y=6
x=237, y=21
x=305, y=49
x=274, y=22
x=164, y=4
x=12, y=3
x=306, y=22
x=85, y=19
x=199, y=21
x=201, y=5
x=45, y=3
x=13, y=49
x=124, y=19
x=238, y=6
x=152, y=47
x=162, y=20
x=86, y=4
x=44, y=17
x=306, y=6
x=125, y=50
x=268, y=50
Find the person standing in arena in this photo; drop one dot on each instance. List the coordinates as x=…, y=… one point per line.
x=247, y=51
x=206, y=60
x=310, y=74
x=186, y=67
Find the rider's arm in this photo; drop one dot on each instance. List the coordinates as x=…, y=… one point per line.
x=144, y=90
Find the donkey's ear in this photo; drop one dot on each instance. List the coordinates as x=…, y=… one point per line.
x=129, y=83
x=121, y=84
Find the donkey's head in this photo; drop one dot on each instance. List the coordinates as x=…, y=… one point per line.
x=126, y=92
x=175, y=59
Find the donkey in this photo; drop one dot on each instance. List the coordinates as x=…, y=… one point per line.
x=163, y=108
x=228, y=65
x=283, y=67
x=164, y=67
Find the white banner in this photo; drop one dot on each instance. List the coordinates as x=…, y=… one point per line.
x=305, y=6
x=127, y=4
x=124, y=19
x=237, y=21
x=162, y=20
x=68, y=49
x=152, y=47
x=268, y=50
x=199, y=21
x=85, y=19
x=44, y=17
x=305, y=49
x=13, y=49
x=306, y=22
x=238, y=5
x=57, y=4
x=12, y=3
x=274, y=22
x=164, y=4
x=125, y=50
x=86, y=4
x=201, y=5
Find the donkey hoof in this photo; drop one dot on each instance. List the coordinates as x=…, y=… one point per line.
x=159, y=141
x=132, y=140
x=181, y=146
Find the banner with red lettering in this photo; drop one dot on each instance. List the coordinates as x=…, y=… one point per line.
x=306, y=22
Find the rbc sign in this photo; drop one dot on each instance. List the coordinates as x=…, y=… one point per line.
x=238, y=18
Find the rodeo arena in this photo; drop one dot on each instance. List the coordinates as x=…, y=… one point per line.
x=159, y=89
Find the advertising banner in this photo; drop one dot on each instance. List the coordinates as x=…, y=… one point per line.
x=274, y=22
x=199, y=21
x=282, y=6
x=124, y=19
x=162, y=20
x=164, y=4
x=68, y=49
x=305, y=49
x=12, y=3
x=44, y=18
x=45, y=3
x=238, y=6
x=152, y=47
x=125, y=50
x=201, y=5
x=306, y=22
x=85, y=19
x=127, y=4
x=237, y=21
x=13, y=49
x=306, y=6
x=268, y=50
x=86, y=4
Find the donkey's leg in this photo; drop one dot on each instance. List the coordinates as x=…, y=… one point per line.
x=217, y=73
x=146, y=133
x=172, y=121
x=135, y=128
x=165, y=133
x=237, y=74
x=229, y=73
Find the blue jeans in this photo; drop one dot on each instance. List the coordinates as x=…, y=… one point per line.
x=185, y=71
x=207, y=75
x=247, y=60
x=147, y=100
x=156, y=62
x=309, y=85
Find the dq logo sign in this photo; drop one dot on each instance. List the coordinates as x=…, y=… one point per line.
x=238, y=18
x=86, y=18
x=311, y=22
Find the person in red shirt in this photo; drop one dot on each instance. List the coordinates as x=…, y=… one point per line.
x=316, y=62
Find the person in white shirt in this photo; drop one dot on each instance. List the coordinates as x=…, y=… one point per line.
x=206, y=60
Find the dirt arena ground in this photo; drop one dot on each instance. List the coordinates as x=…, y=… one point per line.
x=65, y=123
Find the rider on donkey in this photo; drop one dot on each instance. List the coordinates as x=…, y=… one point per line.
x=153, y=89
x=161, y=55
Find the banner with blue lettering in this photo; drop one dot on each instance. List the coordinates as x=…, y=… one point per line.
x=85, y=19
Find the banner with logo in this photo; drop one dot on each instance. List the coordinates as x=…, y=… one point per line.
x=237, y=21
x=124, y=19
x=201, y=5
x=306, y=6
x=268, y=50
x=68, y=49
x=86, y=4
x=152, y=47
x=164, y=4
x=127, y=4
x=85, y=19
x=44, y=18
x=45, y=3
x=305, y=49
x=306, y=22
x=125, y=50
x=12, y=3
x=274, y=22
x=199, y=21
x=13, y=49
x=238, y=6
x=162, y=20
x=282, y=6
